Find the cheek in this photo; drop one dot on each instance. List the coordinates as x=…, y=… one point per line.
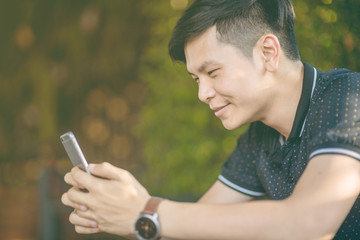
x=238, y=84
x=228, y=84
x=238, y=88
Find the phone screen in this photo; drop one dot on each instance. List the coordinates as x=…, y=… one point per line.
x=74, y=151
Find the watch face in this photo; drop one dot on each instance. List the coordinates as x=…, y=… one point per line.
x=146, y=228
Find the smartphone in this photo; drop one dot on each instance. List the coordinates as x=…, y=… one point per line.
x=74, y=152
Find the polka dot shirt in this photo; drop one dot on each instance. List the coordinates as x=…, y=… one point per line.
x=327, y=121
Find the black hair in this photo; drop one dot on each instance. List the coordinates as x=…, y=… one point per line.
x=238, y=22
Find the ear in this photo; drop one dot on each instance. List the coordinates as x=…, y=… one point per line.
x=270, y=49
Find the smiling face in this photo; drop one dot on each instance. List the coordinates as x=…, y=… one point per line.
x=234, y=86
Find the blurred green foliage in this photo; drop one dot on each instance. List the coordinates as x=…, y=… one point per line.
x=100, y=68
x=328, y=33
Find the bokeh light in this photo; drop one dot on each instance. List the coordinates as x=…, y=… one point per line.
x=24, y=37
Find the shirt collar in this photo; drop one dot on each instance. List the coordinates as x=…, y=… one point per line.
x=309, y=82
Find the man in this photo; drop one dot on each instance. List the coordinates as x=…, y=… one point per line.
x=301, y=151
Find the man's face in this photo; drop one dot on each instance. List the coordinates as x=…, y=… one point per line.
x=234, y=86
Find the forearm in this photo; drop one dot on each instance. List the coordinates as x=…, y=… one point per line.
x=222, y=194
x=316, y=209
x=252, y=220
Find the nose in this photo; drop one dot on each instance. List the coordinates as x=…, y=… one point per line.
x=206, y=91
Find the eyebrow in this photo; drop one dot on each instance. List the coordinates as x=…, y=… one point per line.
x=204, y=65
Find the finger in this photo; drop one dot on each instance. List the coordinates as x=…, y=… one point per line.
x=75, y=219
x=86, y=214
x=69, y=180
x=75, y=199
x=108, y=171
x=81, y=179
x=86, y=230
x=67, y=202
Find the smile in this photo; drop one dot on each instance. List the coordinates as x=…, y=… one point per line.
x=220, y=110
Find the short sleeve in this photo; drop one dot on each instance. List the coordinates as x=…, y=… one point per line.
x=334, y=121
x=239, y=171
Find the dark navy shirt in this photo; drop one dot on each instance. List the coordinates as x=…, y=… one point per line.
x=327, y=121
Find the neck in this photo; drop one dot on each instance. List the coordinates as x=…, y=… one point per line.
x=289, y=82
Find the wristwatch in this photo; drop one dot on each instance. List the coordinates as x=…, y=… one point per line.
x=147, y=226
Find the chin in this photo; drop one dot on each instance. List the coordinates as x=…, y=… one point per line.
x=231, y=126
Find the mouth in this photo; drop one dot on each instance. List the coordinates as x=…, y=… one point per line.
x=218, y=110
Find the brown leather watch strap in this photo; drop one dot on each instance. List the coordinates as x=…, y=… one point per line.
x=152, y=205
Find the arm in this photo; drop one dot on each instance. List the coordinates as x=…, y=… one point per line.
x=221, y=194
x=119, y=181
x=319, y=204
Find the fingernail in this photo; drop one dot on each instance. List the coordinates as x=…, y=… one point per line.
x=83, y=208
x=93, y=224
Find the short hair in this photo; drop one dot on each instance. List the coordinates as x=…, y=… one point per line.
x=240, y=23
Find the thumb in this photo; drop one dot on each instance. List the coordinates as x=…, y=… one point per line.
x=105, y=170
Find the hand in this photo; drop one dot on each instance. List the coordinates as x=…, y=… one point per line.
x=109, y=204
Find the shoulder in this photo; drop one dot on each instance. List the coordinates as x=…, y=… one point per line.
x=339, y=73
x=336, y=97
x=338, y=78
x=333, y=120
x=336, y=87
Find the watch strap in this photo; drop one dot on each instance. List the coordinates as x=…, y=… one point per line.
x=152, y=205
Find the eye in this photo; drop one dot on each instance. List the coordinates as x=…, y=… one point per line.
x=195, y=78
x=211, y=73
